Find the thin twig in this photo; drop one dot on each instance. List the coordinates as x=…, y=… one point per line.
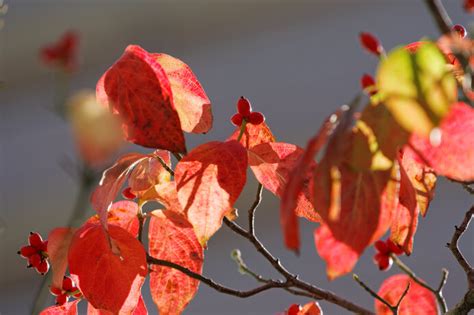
x=216, y=286
x=443, y=21
x=251, y=212
x=438, y=292
x=165, y=166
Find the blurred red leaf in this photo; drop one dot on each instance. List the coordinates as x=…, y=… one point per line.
x=69, y=308
x=418, y=301
x=209, y=180
x=59, y=240
x=123, y=214
x=110, y=184
x=189, y=99
x=172, y=238
x=137, y=88
x=454, y=156
x=254, y=135
x=98, y=269
x=62, y=53
x=139, y=310
x=272, y=164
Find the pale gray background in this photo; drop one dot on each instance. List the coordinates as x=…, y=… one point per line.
x=296, y=60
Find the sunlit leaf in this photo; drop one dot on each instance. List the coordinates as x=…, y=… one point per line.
x=172, y=238
x=149, y=172
x=137, y=88
x=209, y=180
x=418, y=87
x=454, y=156
x=98, y=269
x=123, y=214
x=189, y=99
x=254, y=135
x=69, y=308
x=418, y=301
x=59, y=240
x=139, y=310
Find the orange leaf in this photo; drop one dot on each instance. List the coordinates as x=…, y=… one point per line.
x=418, y=301
x=272, y=164
x=69, y=308
x=209, y=180
x=111, y=183
x=123, y=214
x=139, y=310
x=172, y=238
x=311, y=308
x=97, y=269
x=137, y=89
x=254, y=135
x=454, y=156
x=59, y=240
x=189, y=99
x=149, y=172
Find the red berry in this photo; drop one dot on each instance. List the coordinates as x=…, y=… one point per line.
x=459, y=29
x=394, y=248
x=44, y=246
x=381, y=247
x=368, y=84
x=384, y=262
x=237, y=119
x=61, y=299
x=27, y=251
x=370, y=43
x=43, y=267
x=34, y=260
x=244, y=107
x=128, y=194
x=256, y=118
x=68, y=284
x=35, y=240
x=469, y=6
x=55, y=291
x=293, y=309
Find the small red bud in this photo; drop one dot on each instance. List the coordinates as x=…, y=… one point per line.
x=68, y=284
x=244, y=107
x=370, y=43
x=237, y=119
x=460, y=30
x=256, y=118
x=368, y=84
x=128, y=194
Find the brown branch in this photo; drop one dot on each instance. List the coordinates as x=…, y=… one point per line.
x=467, y=302
x=438, y=292
x=216, y=286
x=251, y=212
x=441, y=17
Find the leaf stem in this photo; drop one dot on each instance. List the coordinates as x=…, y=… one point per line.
x=242, y=129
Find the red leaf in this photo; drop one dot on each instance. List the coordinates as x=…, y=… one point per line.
x=149, y=172
x=340, y=257
x=97, y=269
x=209, y=180
x=171, y=237
x=418, y=301
x=111, y=183
x=137, y=88
x=189, y=99
x=454, y=156
x=139, y=310
x=69, y=308
x=254, y=135
x=272, y=164
x=122, y=214
x=59, y=240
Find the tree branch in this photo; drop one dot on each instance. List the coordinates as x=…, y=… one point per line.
x=441, y=17
x=216, y=286
x=252, y=209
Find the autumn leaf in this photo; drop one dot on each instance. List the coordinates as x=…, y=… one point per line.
x=209, y=180
x=272, y=164
x=69, y=308
x=59, y=240
x=418, y=301
x=123, y=214
x=149, y=172
x=172, y=238
x=454, y=155
x=97, y=268
x=418, y=88
x=189, y=99
x=111, y=182
x=311, y=308
x=137, y=88
x=139, y=310
x=254, y=135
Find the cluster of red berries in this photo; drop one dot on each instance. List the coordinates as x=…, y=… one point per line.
x=62, y=53
x=384, y=249
x=244, y=113
x=68, y=289
x=36, y=253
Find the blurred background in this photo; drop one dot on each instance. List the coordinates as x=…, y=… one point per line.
x=297, y=61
